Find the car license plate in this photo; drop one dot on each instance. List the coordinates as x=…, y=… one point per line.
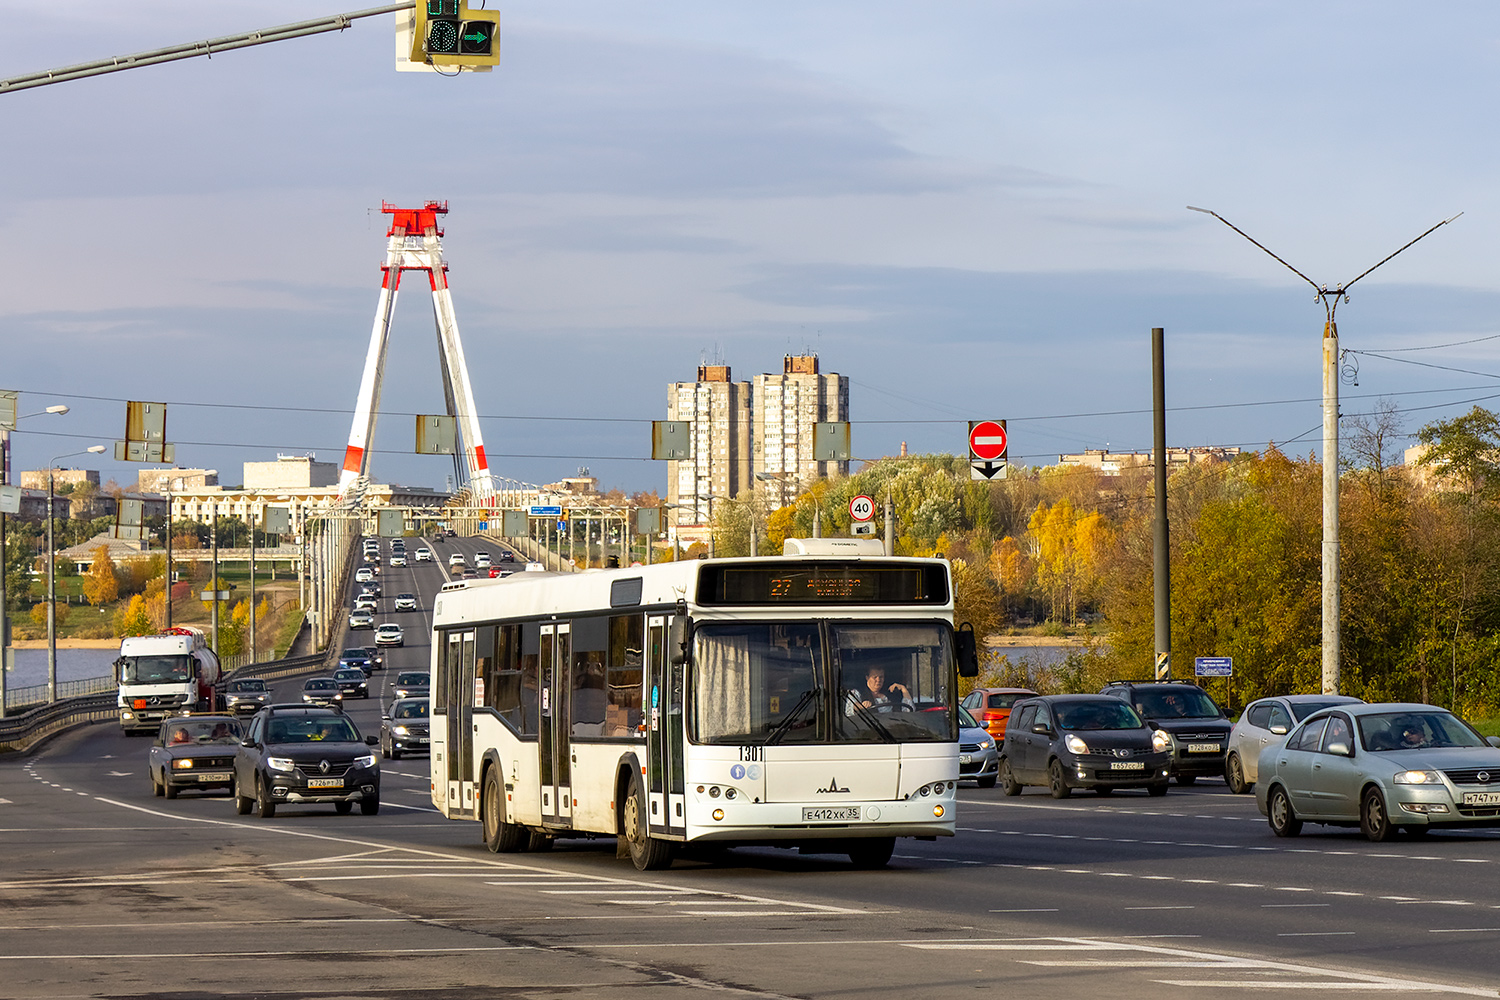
x=215, y=776
x=1482, y=798
x=1127, y=765
x=422, y=741
x=1204, y=747
x=814, y=814
x=325, y=782
x=965, y=758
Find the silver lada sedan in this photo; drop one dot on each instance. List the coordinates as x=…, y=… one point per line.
x=1382, y=768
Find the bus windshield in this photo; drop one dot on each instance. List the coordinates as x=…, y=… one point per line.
x=155, y=669
x=828, y=682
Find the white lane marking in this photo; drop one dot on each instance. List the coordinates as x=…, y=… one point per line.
x=216, y=955
x=1036, y=909
x=1290, y=984
x=1290, y=906
x=1463, y=930
x=1329, y=978
x=1316, y=934
x=1160, y=907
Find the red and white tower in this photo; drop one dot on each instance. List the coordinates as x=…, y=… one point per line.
x=415, y=243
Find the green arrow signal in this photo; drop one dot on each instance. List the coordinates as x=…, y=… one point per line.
x=478, y=36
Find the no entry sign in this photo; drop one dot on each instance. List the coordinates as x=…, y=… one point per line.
x=987, y=440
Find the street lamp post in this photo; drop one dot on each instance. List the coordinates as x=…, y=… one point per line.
x=1329, y=298
x=52, y=570
x=59, y=409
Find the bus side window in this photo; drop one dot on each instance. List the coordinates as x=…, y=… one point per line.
x=622, y=715
x=531, y=646
x=502, y=688
x=586, y=704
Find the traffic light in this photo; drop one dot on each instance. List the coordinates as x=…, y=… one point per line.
x=448, y=33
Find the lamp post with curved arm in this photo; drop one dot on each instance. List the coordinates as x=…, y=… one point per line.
x=52, y=570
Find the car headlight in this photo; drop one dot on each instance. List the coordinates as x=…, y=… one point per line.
x=401, y=731
x=1418, y=778
x=280, y=764
x=182, y=763
x=986, y=743
x=1160, y=740
x=1075, y=744
x=368, y=760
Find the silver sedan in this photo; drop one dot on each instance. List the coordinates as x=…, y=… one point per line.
x=1265, y=722
x=1382, y=768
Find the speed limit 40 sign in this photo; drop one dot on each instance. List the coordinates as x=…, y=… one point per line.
x=861, y=508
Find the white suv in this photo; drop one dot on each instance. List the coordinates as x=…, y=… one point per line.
x=424, y=555
x=456, y=561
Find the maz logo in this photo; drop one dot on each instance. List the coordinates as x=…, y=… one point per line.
x=833, y=786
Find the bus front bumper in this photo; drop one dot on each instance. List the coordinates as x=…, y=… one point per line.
x=766, y=822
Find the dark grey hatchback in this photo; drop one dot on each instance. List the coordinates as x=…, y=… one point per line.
x=1067, y=741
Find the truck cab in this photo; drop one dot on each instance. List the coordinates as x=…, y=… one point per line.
x=165, y=675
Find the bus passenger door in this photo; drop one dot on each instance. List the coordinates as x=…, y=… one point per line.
x=552, y=740
x=666, y=782
x=458, y=695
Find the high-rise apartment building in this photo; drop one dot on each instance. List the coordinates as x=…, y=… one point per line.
x=719, y=411
x=786, y=408
x=745, y=430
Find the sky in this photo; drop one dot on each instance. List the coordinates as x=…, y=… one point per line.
x=974, y=210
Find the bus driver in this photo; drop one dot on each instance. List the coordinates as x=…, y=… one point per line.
x=878, y=695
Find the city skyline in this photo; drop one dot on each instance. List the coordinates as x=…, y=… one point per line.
x=975, y=212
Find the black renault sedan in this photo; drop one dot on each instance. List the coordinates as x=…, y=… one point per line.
x=1068, y=741
x=295, y=754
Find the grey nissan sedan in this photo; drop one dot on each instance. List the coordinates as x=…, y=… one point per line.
x=1381, y=768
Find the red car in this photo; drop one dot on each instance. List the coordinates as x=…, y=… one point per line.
x=991, y=706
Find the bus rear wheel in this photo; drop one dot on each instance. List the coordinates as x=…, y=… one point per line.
x=499, y=836
x=646, y=853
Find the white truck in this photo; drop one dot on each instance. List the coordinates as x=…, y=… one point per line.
x=165, y=675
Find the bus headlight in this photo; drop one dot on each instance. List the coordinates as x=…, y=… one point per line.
x=718, y=814
x=937, y=811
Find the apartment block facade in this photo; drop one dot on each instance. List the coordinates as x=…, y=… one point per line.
x=744, y=430
x=719, y=410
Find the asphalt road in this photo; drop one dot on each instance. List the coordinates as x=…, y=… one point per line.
x=108, y=891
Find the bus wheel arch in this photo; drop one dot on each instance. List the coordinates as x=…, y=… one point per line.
x=500, y=837
x=646, y=852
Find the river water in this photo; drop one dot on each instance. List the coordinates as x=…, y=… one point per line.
x=72, y=665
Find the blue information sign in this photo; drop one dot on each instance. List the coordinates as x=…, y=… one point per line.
x=546, y=512
x=1213, y=666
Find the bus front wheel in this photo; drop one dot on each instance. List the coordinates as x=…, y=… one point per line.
x=499, y=836
x=646, y=853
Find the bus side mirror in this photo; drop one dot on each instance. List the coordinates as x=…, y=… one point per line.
x=968, y=651
x=679, y=638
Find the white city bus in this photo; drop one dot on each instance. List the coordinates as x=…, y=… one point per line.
x=723, y=700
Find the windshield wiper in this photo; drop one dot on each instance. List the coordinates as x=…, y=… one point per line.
x=791, y=717
x=869, y=716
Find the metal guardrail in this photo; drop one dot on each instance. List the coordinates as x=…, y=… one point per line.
x=27, y=729
x=24, y=731
x=36, y=694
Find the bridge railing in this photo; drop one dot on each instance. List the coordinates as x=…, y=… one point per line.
x=27, y=728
